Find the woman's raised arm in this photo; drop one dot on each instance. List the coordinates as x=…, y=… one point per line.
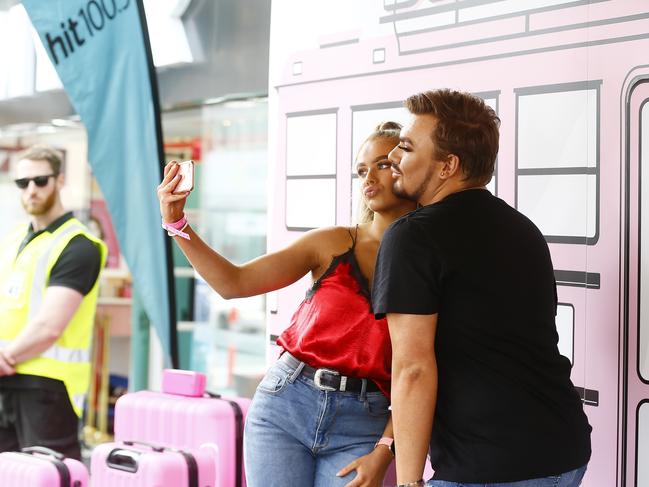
x=261, y=275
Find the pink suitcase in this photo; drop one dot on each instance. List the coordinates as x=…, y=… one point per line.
x=187, y=421
x=41, y=467
x=136, y=464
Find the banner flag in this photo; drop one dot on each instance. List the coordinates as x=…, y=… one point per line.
x=100, y=49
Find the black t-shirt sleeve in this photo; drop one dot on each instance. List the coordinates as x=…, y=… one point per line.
x=406, y=277
x=78, y=266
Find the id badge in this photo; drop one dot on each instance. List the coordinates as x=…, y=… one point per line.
x=15, y=285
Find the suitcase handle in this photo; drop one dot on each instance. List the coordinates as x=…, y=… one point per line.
x=43, y=451
x=55, y=458
x=156, y=448
x=122, y=459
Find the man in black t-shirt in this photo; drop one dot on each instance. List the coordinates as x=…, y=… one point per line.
x=48, y=290
x=468, y=288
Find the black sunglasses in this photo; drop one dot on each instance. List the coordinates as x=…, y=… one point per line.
x=40, y=181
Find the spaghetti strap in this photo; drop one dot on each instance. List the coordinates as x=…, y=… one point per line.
x=354, y=236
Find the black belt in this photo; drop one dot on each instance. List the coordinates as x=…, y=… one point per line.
x=330, y=380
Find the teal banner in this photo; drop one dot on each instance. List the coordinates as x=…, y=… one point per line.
x=101, y=52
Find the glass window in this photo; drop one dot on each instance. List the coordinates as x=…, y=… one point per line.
x=492, y=101
x=356, y=196
x=365, y=119
x=544, y=197
x=557, y=160
x=310, y=203
x=228, y=141
x=557, y=130
x=643, y=444
x=311, y=146
x=643, y=332
x=565, y=320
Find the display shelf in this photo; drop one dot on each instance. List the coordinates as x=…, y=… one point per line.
x=184, y=272
x=114, y=301
x=116, y=273
x=186, y=325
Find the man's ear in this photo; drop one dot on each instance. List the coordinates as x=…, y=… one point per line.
x=450, y=167
x=60, y=180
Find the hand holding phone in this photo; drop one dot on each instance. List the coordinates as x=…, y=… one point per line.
x=186, y=171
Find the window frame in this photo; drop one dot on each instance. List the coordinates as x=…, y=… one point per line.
x=295, y=177
x=559, y=171
x=572, y=351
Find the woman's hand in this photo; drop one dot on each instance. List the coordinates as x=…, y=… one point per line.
x=370, y=468
x=171, y=205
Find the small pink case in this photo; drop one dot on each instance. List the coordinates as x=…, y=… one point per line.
x=183, y=382
x=136, y=464
x=41, y=467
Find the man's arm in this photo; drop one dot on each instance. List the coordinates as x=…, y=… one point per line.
x=58, y=308
x=6, y=365
x=414, y=390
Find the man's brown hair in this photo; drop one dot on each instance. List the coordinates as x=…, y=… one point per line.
x=466, y=127
x=44, y=153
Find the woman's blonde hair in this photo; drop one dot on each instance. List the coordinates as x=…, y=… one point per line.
x=384, y=130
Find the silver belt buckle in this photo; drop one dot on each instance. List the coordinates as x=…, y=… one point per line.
x=318, y=376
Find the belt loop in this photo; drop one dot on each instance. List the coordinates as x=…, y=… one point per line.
x=296, y=372
x=363, y=389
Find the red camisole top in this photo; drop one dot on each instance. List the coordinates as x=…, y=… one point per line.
x=334, y=326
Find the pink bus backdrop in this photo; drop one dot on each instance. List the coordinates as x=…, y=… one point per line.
x=570, y=81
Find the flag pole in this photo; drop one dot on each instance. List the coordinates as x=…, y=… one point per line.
x=155, y=98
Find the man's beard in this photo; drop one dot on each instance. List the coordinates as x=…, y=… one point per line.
x=42, y=207
x=416, y=195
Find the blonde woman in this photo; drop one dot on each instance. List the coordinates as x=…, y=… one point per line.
x=320, y=416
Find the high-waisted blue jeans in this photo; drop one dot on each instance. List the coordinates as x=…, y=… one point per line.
x=297, y=435
x=568, y=479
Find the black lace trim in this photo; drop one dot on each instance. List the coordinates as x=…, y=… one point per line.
x=360, y=278
x=350, y=257
x=337, y=259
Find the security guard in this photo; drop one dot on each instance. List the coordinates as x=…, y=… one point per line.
x=48, y=292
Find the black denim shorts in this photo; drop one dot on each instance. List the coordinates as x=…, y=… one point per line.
x=36, y=411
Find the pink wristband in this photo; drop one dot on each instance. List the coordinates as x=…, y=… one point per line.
x=179, y=224
x=387, y=441
x=177, y=228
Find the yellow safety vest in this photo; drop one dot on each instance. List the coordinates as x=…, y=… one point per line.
x=24, y=278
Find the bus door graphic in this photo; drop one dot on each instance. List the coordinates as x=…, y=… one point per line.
x=554, y=72
x=635, y=353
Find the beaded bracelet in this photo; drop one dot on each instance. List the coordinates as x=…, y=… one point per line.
x=418, y=483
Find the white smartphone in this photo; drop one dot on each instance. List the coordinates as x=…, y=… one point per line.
x=186, y=171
